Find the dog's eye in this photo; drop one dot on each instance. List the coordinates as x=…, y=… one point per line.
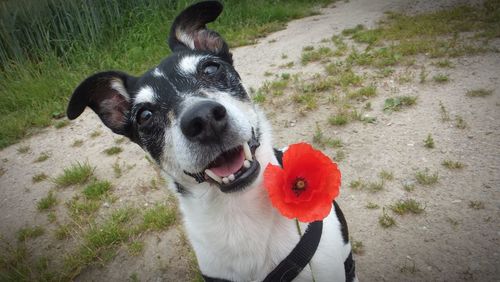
x=144, y=116
x=210, y=69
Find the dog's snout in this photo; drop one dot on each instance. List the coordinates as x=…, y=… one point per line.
x=204, y=122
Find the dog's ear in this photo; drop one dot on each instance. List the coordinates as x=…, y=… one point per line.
x=107, y=93
x=189, y=30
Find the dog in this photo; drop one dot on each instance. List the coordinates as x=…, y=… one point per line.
x=193, y=116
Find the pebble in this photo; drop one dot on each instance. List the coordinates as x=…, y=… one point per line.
x=105, y=204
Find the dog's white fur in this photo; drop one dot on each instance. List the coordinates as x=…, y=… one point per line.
x=240, y=236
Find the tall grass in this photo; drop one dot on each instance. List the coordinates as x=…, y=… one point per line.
x=48, y=46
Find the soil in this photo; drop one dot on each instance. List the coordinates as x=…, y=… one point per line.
x=449, y=241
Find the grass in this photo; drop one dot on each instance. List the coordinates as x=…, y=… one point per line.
x=357, y=247
x=452, y=164
x=39, y=177
x=386, y=175
x=363, y=93
x=445, y=116
x=408, y=186
x=441, y=78
x=372, y=187
x=61, y=123
x=386, y=220
x=82, y=209
x=476, y=205
x=444, y=63
x=23, y=149
x=113, y=151
x=398, y=103
x=481, y=92
x=311, y=55
x=407, y=206
x=321, y=141
x=135, y=248
x=47, y=202
x=80, y=38
x=460, y=122
x=77, y=143
x=97, y=190
x=77, y=173
x=26, y=233
x=159, y=217
x=42, y=157
x=63, y=231
x=96, y=133
x=426, y=178
x=339, y=119
x=372, y=206
x=429, y=142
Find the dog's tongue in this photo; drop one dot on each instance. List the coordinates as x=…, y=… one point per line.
x=230, y=164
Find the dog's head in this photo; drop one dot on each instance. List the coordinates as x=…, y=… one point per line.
x=191, y=112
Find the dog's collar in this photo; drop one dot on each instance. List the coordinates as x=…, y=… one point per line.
x=298, y=258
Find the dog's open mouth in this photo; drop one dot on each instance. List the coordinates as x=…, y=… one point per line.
x=233, y=169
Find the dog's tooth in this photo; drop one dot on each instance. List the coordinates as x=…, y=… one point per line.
x=231, y=177
x=248, y=153
x=246, y=163
x=212, y=175
x=225, y=180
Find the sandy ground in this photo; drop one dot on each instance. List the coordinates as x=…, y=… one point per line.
x=428, y=244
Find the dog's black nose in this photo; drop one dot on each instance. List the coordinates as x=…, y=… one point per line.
x=204, y=122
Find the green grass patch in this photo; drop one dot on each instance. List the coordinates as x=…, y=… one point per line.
x=97, y=190
x=82, y=209
x=321, y=141
x=23, y=149
x=407, y=206
x=452, y=164
x=460, y=122
x=429, y=142
x=481, y=92
x=26, y=233
x=386, y=175
x=115, y=150
x=398, y=103
x=77, y=173
x=371, y=206
x=58, y=47
x=159, y=217
x=321, y=54
x=39, y=177
x=63, y=232
x=441, y=78
x=386, y=220
x=339, y=119
x=77, y=143
x=363, y=93
x=47, y=202
x=42, y=157
x=135, y=248
x=357, y=247
x=425, y=177
x=61, y=123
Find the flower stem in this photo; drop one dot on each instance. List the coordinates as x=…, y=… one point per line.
x=300, y=234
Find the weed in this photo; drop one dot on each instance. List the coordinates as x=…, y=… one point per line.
x=51, y=216
x=452, y=164
x=23, y=149
x=349, y=78
x=120, y=140
x=26, y=233
x=77, y=143
x=340, y=155
x=454, y=223
x=368, y=106
x=267, y=73
x=429, y=142
x=363, y=93
x=42, y=157
x=134, y=277
x=320, y=140
x=407, y=186
x=460, y=122
x=398, y=103
x=407, y=206
x=61, y=123
x=357, y=247
x=441, y=78
x=409, y=269
x=77, y=173
x=117, y=169
x=309, y=100
x=285, y=76
x=63, y=231
x=39, y=177
x=357, y=184
x=113, y=151
x=82, y=209
x=96, y=133
x=386, y=220
x=423, y=75
x=445, y=116
x=424, y=177
x=386, y=175
x=287, y=65
x=97, y=190
x=339, y=119
x=375, y=186
x=372, y=206
x=481, y=92
x=354, y=30
x=47, y=202
x=444, y=64
x=159, y=217
x=135, y=247
x=316, y=55
x=284, y=56
x=308, y=48
x=477, y=205
x=259, y=97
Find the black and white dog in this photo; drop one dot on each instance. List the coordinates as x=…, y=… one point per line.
x=194, y=117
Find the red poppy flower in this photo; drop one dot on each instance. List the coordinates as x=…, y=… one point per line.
x=306, y=185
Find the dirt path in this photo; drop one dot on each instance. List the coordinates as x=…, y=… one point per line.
x=448, y=242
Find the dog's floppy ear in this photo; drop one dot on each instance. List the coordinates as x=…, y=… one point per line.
x=107, y=93
x=189, y=30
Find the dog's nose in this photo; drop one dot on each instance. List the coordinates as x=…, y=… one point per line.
x=204, y=122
